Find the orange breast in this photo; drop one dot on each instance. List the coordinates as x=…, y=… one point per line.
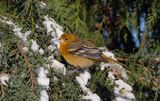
x=77, y=61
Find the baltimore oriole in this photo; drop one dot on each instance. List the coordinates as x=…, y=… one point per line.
x=81, y=53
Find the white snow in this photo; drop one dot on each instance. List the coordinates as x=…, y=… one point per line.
x=25, y=49
x=54, y=29
x=118, y=98
x=48, y=24
x=130, y=96
x=4, y=78
x=58, y=28
x=52, y=26
x=0, y=44
x=55, y=78
x=91, y=97
x=42, y=4
x=16, y=29
x=34, y=46
x=26, y=34
x=41, y=51
x=44, y=96
x=59, y=67
x=82, y=79
x=111, y=76
x=109, y=54
x=9, y=22
x=122, y=85
x=55, y=41
x=115, y=66
x=51, y=48
x=104, y=65
x=123, y=91
x=125, y=98
x=43, y=81
x=42, y=78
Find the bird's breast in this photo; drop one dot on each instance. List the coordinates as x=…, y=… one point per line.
x=77, y=61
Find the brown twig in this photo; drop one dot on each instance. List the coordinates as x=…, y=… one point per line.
x=1, y=90
x=29, y=69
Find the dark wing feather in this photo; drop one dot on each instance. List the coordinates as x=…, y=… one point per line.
x=85, y=49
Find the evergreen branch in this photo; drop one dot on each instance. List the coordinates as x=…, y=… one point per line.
x=29, y=69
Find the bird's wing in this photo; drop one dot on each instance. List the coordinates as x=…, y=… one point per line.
x=85, y=49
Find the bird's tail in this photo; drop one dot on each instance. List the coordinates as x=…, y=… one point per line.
x=108, y=59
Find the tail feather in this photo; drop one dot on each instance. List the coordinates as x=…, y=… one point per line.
x=108, y=59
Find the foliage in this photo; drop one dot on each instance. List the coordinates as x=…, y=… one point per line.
x=76, y=18
x=143, y=75
x=102, y=85
x=106, y=22
x=119, y=21
x=63, y=88
x=22, y=84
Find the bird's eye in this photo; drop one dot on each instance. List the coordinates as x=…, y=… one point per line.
x=66, y=39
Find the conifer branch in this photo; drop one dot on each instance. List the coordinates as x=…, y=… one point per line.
x=29, y=69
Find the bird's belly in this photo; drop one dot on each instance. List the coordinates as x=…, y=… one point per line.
x=77, y=61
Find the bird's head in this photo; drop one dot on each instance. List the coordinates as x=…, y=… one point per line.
x=67, y=38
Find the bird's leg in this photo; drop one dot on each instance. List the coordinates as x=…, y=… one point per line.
x=74, y=71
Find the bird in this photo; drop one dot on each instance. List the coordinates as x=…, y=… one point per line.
x=81, y=53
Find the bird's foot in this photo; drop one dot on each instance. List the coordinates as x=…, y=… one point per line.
x=73, y=72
